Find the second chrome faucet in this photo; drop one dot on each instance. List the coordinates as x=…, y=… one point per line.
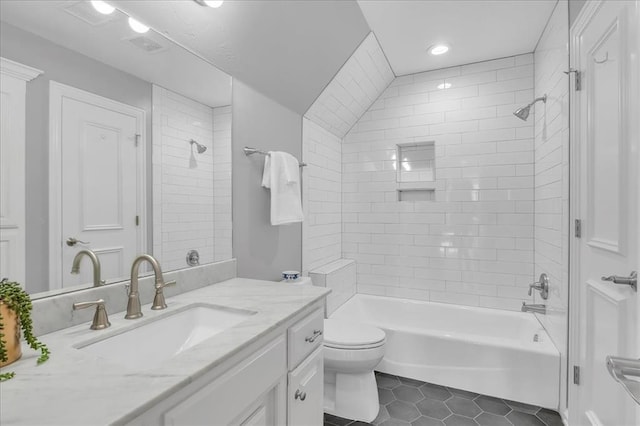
x=133, y=305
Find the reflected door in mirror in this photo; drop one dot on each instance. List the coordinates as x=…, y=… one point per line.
x=102, y=192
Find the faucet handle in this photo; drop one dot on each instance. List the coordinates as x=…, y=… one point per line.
x=158, y=299
x=100, y=318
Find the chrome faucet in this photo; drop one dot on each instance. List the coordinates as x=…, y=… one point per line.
x=536, y=308
x=75, y=268
x=133, y=304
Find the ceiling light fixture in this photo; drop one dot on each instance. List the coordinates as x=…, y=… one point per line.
x=438, y=49
x=102, y=7
x=442, y=86
x=137, y=26
x=211, y=3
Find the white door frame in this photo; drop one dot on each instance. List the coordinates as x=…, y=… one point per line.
x=57, y=92
x=583, y=19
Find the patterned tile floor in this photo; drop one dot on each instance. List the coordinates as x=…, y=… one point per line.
x=405, y=402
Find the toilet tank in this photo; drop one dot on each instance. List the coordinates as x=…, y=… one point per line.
x=340, y=277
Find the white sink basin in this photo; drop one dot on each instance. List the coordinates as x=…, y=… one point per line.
x=152, y=343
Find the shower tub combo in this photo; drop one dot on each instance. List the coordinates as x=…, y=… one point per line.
x=488, y=351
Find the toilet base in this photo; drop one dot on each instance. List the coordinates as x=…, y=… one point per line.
x=351, y=396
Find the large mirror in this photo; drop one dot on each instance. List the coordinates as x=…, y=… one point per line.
x=126, y=147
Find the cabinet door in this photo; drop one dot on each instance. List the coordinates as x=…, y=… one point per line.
x=240, y=394
x=268, y=410
x=306, y=392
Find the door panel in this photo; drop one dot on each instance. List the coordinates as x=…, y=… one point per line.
x=100, y=158
x=12, y=178
x=606, y=51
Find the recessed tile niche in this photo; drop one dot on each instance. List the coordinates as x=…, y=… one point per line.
x=416, y=171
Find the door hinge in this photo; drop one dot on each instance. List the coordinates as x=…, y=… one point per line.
x=137, y=138
x=577, y=78
x=578, y=228
x=576, y=375
x=137, y=220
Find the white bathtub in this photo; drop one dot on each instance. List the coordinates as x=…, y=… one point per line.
x=488, y=351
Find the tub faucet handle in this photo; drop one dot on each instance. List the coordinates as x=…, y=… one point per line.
x=542, y=285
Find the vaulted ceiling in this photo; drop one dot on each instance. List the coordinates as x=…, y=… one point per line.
x=475, y=30
x=288, y=50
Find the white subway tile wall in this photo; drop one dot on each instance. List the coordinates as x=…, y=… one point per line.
x=183, y=202
x=340, y=277
x=472, y=245
x=321, y=192
x=354, y=88
x=552, y=178
x=222, y=223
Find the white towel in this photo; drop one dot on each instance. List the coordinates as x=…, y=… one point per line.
x=282, y=176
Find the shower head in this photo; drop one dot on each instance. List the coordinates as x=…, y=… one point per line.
x=201, y=148
x=523, y=113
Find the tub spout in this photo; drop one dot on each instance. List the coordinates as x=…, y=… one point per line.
x=536, y=308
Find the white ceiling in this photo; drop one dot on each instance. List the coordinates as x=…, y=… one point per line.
x=288, y=50
x=172, y=67
x=477, y=30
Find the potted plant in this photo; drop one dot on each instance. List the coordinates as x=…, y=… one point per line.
x=15, y=314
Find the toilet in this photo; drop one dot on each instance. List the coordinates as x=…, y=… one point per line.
x=351, y=352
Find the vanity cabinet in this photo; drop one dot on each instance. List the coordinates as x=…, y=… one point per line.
x=305, y=392
x=249, y=394
x=279, y=382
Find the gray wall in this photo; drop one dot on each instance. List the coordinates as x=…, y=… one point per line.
x=71, y=68
x=262, y=250
x=575, y=6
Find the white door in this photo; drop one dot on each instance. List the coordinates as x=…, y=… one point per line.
x=13, y=78
x=101, y=187
x=605, y=41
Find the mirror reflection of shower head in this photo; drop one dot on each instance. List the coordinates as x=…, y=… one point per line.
x=523, y=113
x=201, y=148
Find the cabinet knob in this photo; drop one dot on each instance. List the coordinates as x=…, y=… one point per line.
x=312, y=338
x=300, y=395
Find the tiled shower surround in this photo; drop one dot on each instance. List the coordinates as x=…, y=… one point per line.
x=472, y=245
x=191, y=191
x=552, y=179
x=351, y=92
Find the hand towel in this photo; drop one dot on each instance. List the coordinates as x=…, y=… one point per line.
x=282, y=177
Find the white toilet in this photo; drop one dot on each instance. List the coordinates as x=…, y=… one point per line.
x=351, y=352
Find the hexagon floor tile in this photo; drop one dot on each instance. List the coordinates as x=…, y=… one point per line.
x=410, y=402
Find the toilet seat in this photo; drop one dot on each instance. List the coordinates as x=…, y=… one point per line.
x=339, y=334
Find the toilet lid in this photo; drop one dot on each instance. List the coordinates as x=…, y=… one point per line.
x=342, y=334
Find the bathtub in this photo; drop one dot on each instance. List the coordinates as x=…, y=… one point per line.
x=493, y=352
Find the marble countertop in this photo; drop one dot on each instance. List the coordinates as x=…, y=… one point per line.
x=76, y=388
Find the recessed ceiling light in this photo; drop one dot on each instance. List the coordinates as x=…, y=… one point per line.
x=102, y=7
x=137, y=26
x=438, y=49
x=213, y=3
x=442, y=86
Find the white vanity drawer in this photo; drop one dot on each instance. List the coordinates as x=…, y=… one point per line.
x=305, y=336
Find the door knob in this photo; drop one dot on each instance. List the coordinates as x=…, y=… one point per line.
x=73, y=241
x=631, y=280
x=623, y=368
